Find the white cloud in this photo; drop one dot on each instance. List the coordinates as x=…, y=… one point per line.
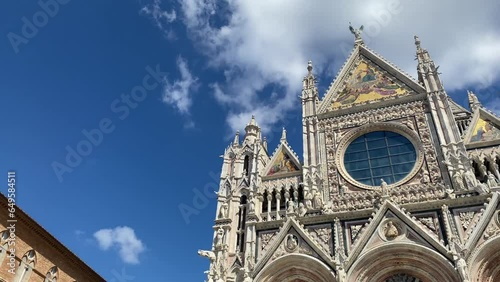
x=178, y=93
x=124, y=238
x=262, y=45
x=494, y=105
x=160, y=17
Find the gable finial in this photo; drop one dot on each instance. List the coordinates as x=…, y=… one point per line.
x=417, y=43
x=236, y=141
x=473, y=101
x=309, y=67
x=357, y=34
x=283, y=135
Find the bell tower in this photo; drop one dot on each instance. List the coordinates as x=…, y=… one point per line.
x=234, y=231
x=310, y=101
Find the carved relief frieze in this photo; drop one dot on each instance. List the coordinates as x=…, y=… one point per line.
x=265, y=238
x=353, y=230
x=466, y=219
x=323, y=236
x=430, y=222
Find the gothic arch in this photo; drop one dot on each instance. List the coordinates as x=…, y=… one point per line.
x=484, y=264
x=295, y=268
x=384, y=262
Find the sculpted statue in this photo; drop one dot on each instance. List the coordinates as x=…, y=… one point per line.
x=251, y=204
x=223, y=211
x=461, y=266
x=302, y=209
x=383, y=188
x=425, y=177
x=492, y=182
x=290, y=207
x=496, y=170
x=451, y=193
x=291, y=242
x=356, y=32
x=458, y=181
x=317, y=200
x=391, y=231
x=470, y=178
x=308, y=200
x=482, y=188
x=218, y=238
x=328, y=208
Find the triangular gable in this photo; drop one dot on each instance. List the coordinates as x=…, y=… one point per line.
x=284, y=161
x=482, y=224
x=244, y=183
x=466, y=219
x=291, y=226
x=389, y=210
x=367, y=78
x=456, y=108
x=484, y=130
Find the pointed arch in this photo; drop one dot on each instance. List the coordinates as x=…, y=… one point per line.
x=246, y=165
x=296, y=267
x=51, y=275
x=26, y=266
x=4, y=235
x=484, y=264
x=387, y=261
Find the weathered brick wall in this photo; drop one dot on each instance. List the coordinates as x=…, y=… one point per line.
x=49, y=252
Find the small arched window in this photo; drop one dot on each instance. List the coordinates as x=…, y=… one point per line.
x=246, y=165
x=4, y=235
x=26, y=266
x=51, y=275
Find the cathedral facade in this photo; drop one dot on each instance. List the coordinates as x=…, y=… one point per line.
x=397, y=182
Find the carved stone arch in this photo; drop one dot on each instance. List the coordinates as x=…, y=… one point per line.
x=30, y=258
x=296, y=267
x=242, y=191
x=387, y=261
x=234, y=273
x=484, y=262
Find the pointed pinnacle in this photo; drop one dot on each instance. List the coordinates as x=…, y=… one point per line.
x=283, y=135
x=236, y=141
x=252, y=121
x=309, y=67
x=417, y=42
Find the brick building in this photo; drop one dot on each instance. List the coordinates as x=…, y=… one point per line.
x=38, y=257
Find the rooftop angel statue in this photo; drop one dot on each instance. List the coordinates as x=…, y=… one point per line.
x=356, y=32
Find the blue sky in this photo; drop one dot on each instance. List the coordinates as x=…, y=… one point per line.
x=198, y=70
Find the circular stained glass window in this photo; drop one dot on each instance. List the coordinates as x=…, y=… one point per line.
x=380, y=155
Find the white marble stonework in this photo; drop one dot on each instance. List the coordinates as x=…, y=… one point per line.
x=397, y=182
